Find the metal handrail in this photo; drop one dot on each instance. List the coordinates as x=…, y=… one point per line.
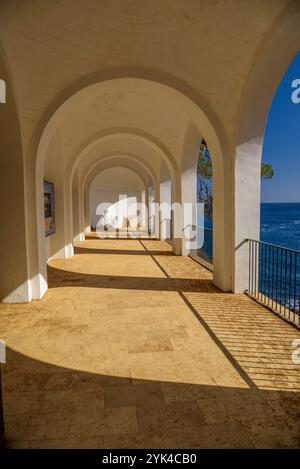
x=274, y=245
x=197, y=226
x=274, y=278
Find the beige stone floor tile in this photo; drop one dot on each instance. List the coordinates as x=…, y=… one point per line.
x=170, y=418
x=121, y=376
x=273, y=432
x=132, y=347
x=109, y=421
x=174, y=392
x=118, y=360
x=150, y=344
x=225, y=409
x=66, y=443
x=216, y=436
x=140, y=440
x=36, y=426
x=16, y=444
x=120, y=396
x=22, y=402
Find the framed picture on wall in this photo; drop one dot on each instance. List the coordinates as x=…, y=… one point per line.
x=49, y=208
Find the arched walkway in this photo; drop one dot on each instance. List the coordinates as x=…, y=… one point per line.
x=140, y=137
x=131, y=342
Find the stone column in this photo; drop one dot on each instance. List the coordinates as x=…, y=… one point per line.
x=15, y=286
x=247, y=207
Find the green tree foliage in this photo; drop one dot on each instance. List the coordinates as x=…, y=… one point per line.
x=267, y=171
x=204, y=166
x=205, y=173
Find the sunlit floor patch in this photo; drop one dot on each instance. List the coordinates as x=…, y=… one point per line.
x=129, y=350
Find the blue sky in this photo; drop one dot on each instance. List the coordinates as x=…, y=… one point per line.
x=282, y=142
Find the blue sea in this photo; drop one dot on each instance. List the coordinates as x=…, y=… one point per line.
x=280, y=224
x=278, y=270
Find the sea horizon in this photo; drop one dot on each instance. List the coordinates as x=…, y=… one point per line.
x=279, y=225
x=269, y=203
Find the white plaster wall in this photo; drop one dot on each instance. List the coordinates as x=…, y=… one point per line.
x=165, y=202
x=190, y=151
x=55, y=244
x=121, y=210
x=151, y=214
x=120, y=187
x=78, y=229
x=116, y=178
x=142, y=177
x=144, y=209
x=247, y=206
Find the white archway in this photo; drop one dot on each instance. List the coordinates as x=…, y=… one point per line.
x=222, y=272
x=95, y=145
x=277, y=52
x=104, y=189
x=127, y=160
